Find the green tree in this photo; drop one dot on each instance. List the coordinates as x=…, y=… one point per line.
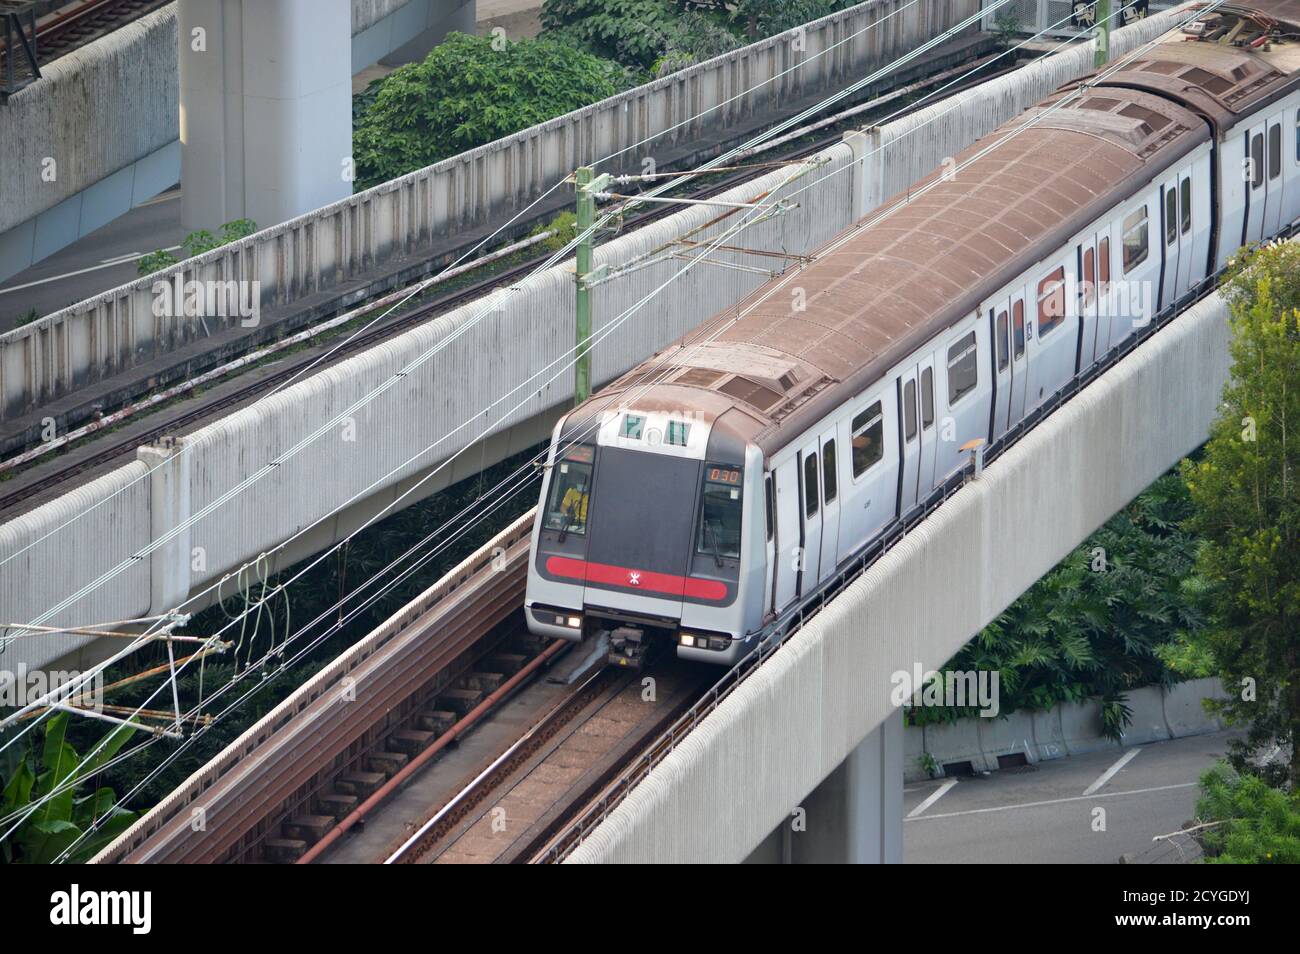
x=1247, y=821
x=1246, y=491
x=196, y=243
x=631, y=32
x=465, y=93
x=26, y=777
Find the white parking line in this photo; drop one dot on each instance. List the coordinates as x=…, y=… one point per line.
x=106, y=263
x=937, y=794
x=1053, y=801
x=1107, y=775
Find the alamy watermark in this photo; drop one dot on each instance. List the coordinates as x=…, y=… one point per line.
x=177, y=298
x=954, y=688
x=22, y=687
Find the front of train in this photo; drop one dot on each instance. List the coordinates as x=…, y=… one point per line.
x=646, y=532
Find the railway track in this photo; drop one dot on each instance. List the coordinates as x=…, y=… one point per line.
x=72, y=25
x=27, y=483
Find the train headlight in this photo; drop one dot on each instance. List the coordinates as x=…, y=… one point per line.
x=687, y=639
x=574, y=622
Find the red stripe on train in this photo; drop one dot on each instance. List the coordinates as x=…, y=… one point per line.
x=636, y=579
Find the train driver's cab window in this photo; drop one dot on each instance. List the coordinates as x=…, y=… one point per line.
x=566, y=507
x=962, y=368
x=1256, y=160
x=1004, y=350
x=720, y=512
x=1051, y=302
x=868, y=439
x=1135, y=239
x=810, y=484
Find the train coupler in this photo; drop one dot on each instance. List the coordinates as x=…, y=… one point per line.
x=627, y=647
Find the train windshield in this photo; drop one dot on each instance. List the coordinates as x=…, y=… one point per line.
x=720, y=512
x=566, y=510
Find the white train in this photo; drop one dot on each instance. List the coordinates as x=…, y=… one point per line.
x=770, y=451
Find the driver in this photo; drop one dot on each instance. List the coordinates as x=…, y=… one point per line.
x=574, y=504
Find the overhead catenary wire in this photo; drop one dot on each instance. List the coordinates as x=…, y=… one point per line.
x=839, y=170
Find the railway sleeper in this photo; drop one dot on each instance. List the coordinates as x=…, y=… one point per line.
x=337, y=804
x=507, y=663
x=459, y=701
x=308, y=828
x=360, y=784
x=436, y=721
x=410, y=741
x=284, y=850
x=483, y=681
x=386, y=763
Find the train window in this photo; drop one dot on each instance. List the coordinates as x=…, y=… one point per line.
x=830, y=485
x=1171, y=216
x=1297, y=137
x=1135, y=239
x=963, y=372
x=1018, y=328
x=566, y=510
x=868, y=439
x=909, y=411
x=1257, y=160
x=1051, y=302
x=1186, y=199
x=678, y=433
x=720, y=513
x=927, y=397
x=1103, y=262
x=771, y=505
x=1004, y=348
x=1089, y=275
x=1274, y=150
x=810, y=484
x=632, y=426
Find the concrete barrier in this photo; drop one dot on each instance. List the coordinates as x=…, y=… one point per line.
x=797, y=717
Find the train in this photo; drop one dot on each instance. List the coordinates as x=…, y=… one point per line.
x=705, y=492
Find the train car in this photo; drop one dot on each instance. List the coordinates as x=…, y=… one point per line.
x=720, y=483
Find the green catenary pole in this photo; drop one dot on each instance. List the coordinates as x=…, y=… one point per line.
x=582, y=313
x=1102, y=53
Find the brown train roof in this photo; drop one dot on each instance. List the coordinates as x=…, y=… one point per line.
x=900, y=278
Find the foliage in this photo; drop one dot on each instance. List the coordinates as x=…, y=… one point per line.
x=466, y=93
x=27, y=776
x=1246, y=489
x=26, y=318
x=1092, y=626
x=1256, y=824
x=757, y=19
x=196, y=243
x=630, y=32
x=1007, y=27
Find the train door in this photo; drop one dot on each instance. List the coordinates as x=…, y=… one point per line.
x=1186, y=234
x=911, y=413
x=810, y=487
x=789, y=537
x=1001, y=318
x=1019, y=361
x=769, y=514
x=929, y=432
x=1105, y=297
x=1168, y=242
x=1255, y=192
x=830, y=505
x=1273, y=182
x=1087, y=262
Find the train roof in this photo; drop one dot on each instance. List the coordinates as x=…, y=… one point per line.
x=929, y=257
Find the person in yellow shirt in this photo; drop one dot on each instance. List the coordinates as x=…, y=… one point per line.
x=574, y=504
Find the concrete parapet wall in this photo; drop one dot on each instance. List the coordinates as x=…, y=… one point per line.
x=402, y=220
x=767, y=745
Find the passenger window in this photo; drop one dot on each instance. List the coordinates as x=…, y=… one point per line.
x=810, y=484
x=1103, y=264
x=927, y=397
x=1051, y=302
x=1135, y=239
x=1018, y=328
x=1257, y=160
x=1186, y=188
x=1274, y=150
x=909, y=411
x=1003, y=347
x=1089, y=275
x=868, y=439
x=771, y=505
x=1297, y=137
x=830, y=486
x=963, y=372
x=1171, y=216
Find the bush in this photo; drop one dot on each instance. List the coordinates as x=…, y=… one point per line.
x=1251, y=822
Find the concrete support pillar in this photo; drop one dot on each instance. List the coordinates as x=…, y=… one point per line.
x=428, y=22
x=855, y=815
x=266, y=109
x=169, y=507
x=867, y=166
